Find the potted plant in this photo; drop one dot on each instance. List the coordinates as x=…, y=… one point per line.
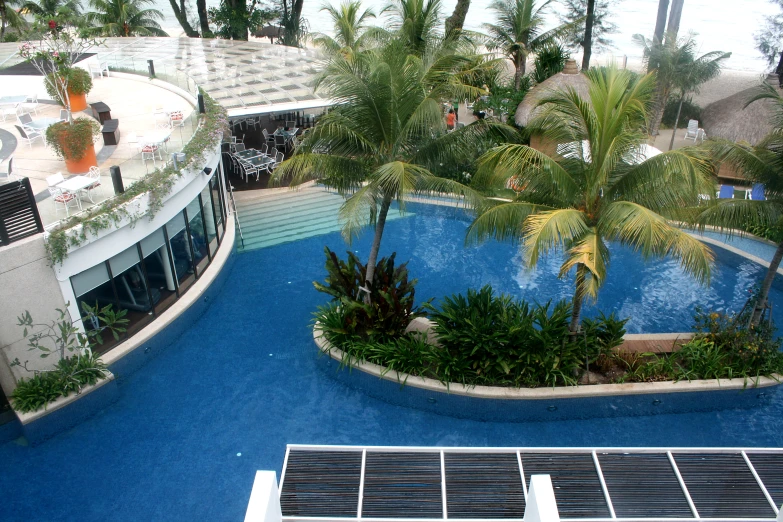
x=73, y=142
x=77, y=84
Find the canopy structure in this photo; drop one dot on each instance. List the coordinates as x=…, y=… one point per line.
x=570, y=77
x=643, y=153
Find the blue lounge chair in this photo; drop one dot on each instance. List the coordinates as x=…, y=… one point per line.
x=726, y=192
x=757, y=194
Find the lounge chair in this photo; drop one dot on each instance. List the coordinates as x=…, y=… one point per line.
x=757, y=193
x=726, y=192
x=693, y=130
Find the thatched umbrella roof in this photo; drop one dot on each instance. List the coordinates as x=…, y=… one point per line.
x=570, y=77
x=729, y=119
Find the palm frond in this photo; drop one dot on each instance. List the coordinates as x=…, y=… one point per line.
x=503, y=222
x=550, y=230
x=591, y=252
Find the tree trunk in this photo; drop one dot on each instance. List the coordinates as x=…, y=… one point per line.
x=660, y=26
x=587, y=44
x=296, y=9
x=676, y=121
x=767, y=284
x=576, y=310
x=457, y=18
x=674, y=18
x=182, y=18
x=778, y=69
x=519, y=72
x=2, y=19
x=659, y=104
x=201, y=7
x=376, y=245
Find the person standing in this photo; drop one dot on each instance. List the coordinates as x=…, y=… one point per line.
x=451, y=120
x=455, y=106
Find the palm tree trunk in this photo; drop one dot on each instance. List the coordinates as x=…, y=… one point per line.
x=587, y=44
x=767, y=284
x=2, y=19
x=376, y=245
x=576, y=310
x=457, y=18
x=201, y=8
x=519, y=65
x=660, y=26
x=674, y=18
x=182, y=18
x=676, y=121
x=661, y=95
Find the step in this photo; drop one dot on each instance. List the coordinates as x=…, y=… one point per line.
x=289, y=210
x=284, y=219
x=283, y=201
x=255, y=244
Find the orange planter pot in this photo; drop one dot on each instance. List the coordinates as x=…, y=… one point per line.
x=78, y=101
x=82, y=166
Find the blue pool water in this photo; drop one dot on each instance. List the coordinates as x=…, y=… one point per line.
x=244, y=379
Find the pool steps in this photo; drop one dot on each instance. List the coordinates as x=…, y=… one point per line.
x=288, y=215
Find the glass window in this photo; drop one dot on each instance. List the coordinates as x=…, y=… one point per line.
x=198, y=241
x=134, y=294
x=209, y=220
x=94, y=287
x=181, y=254
x=159, y=270
x=215, y=188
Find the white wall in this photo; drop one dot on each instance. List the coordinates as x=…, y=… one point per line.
x=264, y=504
x=29, y=85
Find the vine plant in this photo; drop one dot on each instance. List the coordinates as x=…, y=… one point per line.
x=156, y=184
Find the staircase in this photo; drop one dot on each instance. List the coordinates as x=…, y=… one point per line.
x=281, y=216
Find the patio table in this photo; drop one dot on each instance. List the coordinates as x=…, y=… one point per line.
x=13, y=100
x=41, y=124
x=75, y=184
x=287, y=134
x=248, y=153
x=156, y=137
x=259, y=161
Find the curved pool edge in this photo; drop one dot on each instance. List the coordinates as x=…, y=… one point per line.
x=502, y=404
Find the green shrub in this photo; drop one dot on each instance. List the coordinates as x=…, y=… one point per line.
x=549, y=61
x=391, y=307
x=69, y=376
x=690, y=111
x=79, y=82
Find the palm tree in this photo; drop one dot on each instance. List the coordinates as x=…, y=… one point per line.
x=60, y=10
x=350, y=26
x=124, y=18
x=762, y=163
x=519, y=32
x=599, y=187
x=694, y=72
x=416, y=23
x=386, y=129
x=9, y=17
x=677, y=68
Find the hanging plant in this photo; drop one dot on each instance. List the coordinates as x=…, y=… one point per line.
x=78, y=81
x=71, y=140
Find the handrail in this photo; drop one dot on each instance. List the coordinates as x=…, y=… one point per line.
x=236, y=213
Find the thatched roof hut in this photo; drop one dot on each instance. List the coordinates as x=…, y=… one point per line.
x=570, y=77
x=731, y=120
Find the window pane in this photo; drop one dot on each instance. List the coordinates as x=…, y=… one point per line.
x=99, y=297
x=209, y=220
x=124, y=260
x=180, y=251
x=89, y=279
x=161, y=277
x=133, y=296
x=152, y=242
x=216, y=198
x=198, y=241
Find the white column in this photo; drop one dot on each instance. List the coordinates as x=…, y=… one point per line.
x=164, y=261
x=264, y=504
x=541, y=505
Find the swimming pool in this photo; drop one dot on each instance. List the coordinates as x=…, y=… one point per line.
x=245, y=380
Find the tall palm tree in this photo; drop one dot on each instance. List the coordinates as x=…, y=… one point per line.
x=124, y=18
x=762, y=163
x=350, y=28
x=519, y=31
x=53, y=9
x=599, y=187
x=415, y=22
x=386, y=129
x=9, y=17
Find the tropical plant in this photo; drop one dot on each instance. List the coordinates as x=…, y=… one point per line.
x=53, y=57
x=599, y=186
x=678, y=70
x=124, y=18
x=67, y=12
x=234, y=18
x=79, y=82
x=762, y=163
x=391, y=294
x=416, y=23
x=386, y=128
x=550, y=60
x=519, y=31
x=583, y=15
x=503, y=100
x=71, y=139
x=295, y=27
x=350, y=26
x=769, y=40
x=687, y=111
x=9, y=17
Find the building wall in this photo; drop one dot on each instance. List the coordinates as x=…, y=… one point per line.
x=27, y=282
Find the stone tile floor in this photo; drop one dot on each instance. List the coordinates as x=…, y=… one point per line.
x=134, y=103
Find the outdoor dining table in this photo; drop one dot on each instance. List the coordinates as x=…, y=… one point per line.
x=248, y=153
x=13, y=100
x=287, y=134
x=259, y=161
x=41, y=123
x=74, y=184
x=155, y=137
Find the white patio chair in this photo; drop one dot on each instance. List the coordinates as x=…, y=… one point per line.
x=239, y=147
x=148, y=152
x=269, y=139
x=31, y=104
x=99, y=68
x=94, y=173
x=24, y=119
x=693, y=130
x=9, y=110
x=263, y=149
x=249, y=170
x=232, y=144
x=63, y=115
x=10, y=174
x=29, y=135
x=59, y=195
x=290, y=124
x=176, y=119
